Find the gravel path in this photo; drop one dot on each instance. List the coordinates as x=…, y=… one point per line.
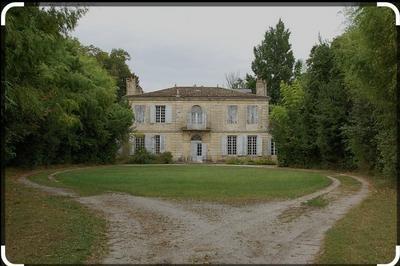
x=149, y=230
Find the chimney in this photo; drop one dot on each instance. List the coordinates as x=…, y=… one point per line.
x=261, y=87
x=132, y=86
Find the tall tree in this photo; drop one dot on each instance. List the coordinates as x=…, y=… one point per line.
x=274, y=59
x=61, y=104
x=116, y=65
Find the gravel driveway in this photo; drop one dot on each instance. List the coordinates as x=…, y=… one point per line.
x=149, y=230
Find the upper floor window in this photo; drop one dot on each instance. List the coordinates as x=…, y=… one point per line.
x=139, y=113
x=196, y=115
x=252, y=114
x=232, y=114
x=232, y=145
x=251, y=145
x=160, y=113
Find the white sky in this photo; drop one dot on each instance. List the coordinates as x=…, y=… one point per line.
x=199, y=45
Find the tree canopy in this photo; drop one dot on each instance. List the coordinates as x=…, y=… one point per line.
x=61, y=105
x=274, y=60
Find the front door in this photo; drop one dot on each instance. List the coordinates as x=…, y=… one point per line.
x=197, y=151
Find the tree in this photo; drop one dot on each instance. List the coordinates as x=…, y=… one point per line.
x=368, y=59
x=274, y=59
x=116, y=65
x=60, y=104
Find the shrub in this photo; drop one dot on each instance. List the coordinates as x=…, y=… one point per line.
x=165, y=157
x=142, y=157
x=145, y=157
x=265, y=160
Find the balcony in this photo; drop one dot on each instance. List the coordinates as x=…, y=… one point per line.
x=196, y=122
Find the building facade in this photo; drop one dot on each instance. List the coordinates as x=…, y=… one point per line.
x=200, y=124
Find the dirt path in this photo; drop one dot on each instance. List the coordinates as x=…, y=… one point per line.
x=149, y=230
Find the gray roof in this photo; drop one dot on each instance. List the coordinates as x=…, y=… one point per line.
x=195, y=91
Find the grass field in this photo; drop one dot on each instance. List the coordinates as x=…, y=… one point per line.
x=46, y=229
x=220, y=183
x=367, y=234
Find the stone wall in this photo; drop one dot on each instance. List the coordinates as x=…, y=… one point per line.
x=178, y=141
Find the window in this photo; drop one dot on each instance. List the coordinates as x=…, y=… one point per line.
x=199, y=149
x=273, y=147
x=232, y=145
x=252, y=145
x=160, y=113
x=157, y=144
x=139, y=143
x=252, y=115
x=197, y=115
x=139, y=113
x=232, y=114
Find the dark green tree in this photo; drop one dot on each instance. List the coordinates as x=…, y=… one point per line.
x=274, y=59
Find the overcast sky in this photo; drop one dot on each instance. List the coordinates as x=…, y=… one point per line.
x=199, y=45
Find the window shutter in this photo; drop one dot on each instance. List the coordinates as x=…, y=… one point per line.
x=204, y=149
x=259, y=145
x=162, y=143
x=244, y=142
x=223, y=145
x=168, y=114
x=239, y=145
x=148, y=143
x=132, y=146
x=248, y=114
x=193, y=150
x=255, y=114
x=152, y=114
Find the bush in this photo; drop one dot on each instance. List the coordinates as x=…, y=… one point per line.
x=165, y=157
x=265, y=160
x=145, y=157
x=142, y=157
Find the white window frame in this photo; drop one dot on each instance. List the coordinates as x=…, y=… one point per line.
x=231, y=144
x=157, y=144
x=160, y=113
x=139, y=143
x=251, y=145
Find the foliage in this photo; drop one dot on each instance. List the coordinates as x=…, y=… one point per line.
x=115, y=64
x=341, y=112
x=264, y=160
x=60, y=104
x=368, y=58
x=274, y=59
x=144, y=157
x=164, y=158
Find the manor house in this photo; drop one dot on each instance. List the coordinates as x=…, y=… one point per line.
x=201, y=124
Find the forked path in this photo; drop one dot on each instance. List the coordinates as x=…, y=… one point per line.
x=148, y=230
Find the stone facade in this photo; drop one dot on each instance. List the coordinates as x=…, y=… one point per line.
x=193, y=123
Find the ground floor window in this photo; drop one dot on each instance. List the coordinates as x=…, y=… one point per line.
x=251, y=145
x=232, y=145
x=157, y=144
x=139, y=143
x=273, y=147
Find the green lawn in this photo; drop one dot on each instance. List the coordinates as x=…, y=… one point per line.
x=45, y=229
x=367, y=234
x=203, y=182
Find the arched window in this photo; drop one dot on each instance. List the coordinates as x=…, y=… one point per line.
x=197, y=115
